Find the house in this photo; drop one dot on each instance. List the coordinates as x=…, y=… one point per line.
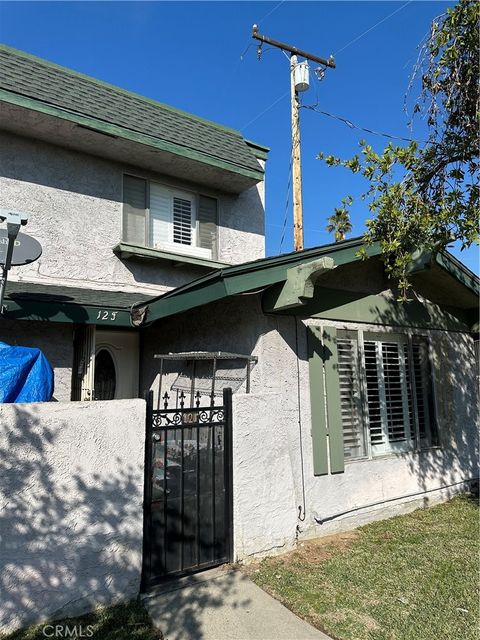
x=288, y=396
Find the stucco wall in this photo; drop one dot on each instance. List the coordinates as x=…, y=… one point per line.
x=56, y=342
x=75, y=205
x=71, y=493
x=274, y=500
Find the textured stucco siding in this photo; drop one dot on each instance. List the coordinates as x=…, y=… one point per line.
x=71, y=507
x=54, y=340
x=74, y=201
x=275, y=502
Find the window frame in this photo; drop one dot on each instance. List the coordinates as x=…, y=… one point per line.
x=413, y=441
x=194, y=249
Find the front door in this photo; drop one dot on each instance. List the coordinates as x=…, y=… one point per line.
x=105, y=364
x=188, y=495
x=116, y=365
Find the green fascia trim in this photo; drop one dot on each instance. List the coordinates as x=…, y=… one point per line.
x=67, y=313
x=459, y=271
x=182, y=303
x=317, y=401
x=246, y=277
x=260, y=151
x=300, y=284
x=102, y=83
x=127, y=251
x=127, y=134
x=348, y=306
x=332, y=392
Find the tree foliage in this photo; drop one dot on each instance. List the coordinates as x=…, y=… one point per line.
x=339, y=222
x=427, y=197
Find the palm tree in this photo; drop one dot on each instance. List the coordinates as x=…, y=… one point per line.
x=339, y=223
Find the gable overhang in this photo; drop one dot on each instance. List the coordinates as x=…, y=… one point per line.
x=29, y=117
x=259, y=275
x=302, y=284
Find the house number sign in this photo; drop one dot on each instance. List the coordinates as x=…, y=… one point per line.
x=104, y=314
x=190, y=417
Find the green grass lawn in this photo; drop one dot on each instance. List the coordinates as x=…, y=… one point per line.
x=413, y=577
x=122, y=622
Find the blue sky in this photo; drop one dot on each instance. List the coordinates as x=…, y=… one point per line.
x=197, y=56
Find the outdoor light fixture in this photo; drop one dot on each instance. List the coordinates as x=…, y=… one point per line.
x=16, y=248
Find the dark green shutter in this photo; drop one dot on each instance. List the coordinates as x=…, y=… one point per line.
x=334, y=409
x=134, y=210
x=207, y=224
x=325, y=400
x=317, y=401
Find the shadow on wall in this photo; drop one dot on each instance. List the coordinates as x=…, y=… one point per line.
x=68, y=543
x=71, y=511
x=454, y=391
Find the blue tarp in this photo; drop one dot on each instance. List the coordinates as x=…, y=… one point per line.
x=25, y=375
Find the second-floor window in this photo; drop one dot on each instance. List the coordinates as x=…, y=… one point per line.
x=167, y=218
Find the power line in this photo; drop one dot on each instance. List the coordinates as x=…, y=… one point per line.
x=373, y=27
x=352, y=125
x=270, y=12
x=265, y=110
x=287, y=201
x=247, y=48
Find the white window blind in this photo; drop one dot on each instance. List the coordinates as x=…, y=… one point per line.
x=160, y=216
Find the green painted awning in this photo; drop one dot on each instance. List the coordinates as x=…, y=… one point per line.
x=33, y=301
x=289, y=284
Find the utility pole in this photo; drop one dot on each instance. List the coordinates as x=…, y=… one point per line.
x=296, y=160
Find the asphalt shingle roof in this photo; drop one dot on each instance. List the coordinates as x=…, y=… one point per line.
x=39, y=80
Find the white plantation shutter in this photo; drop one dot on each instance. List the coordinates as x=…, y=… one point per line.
x=134, y=209
x=350, y=397
x=374, y=405
x=389, y=401
x=386, y=393
x=182, y=220
x=427, y=429
x=160, y=215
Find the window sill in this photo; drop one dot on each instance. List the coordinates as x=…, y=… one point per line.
x=128, y=251
x=394, y=454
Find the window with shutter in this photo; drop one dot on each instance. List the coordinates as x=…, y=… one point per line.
x=161, y=217
x=386, y=393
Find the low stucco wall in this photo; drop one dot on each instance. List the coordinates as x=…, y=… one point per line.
x=71, y=491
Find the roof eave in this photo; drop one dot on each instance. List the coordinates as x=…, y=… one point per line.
x=249, y=177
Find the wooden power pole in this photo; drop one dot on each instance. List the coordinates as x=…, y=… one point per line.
x=296, y=160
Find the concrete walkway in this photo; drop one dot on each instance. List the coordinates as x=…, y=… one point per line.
x=223, y=605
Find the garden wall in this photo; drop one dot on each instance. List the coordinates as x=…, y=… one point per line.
x=71, y=489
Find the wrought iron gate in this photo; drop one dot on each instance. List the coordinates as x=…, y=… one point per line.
x=188, y=488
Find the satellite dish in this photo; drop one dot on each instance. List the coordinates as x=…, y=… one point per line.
x=26, y=249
